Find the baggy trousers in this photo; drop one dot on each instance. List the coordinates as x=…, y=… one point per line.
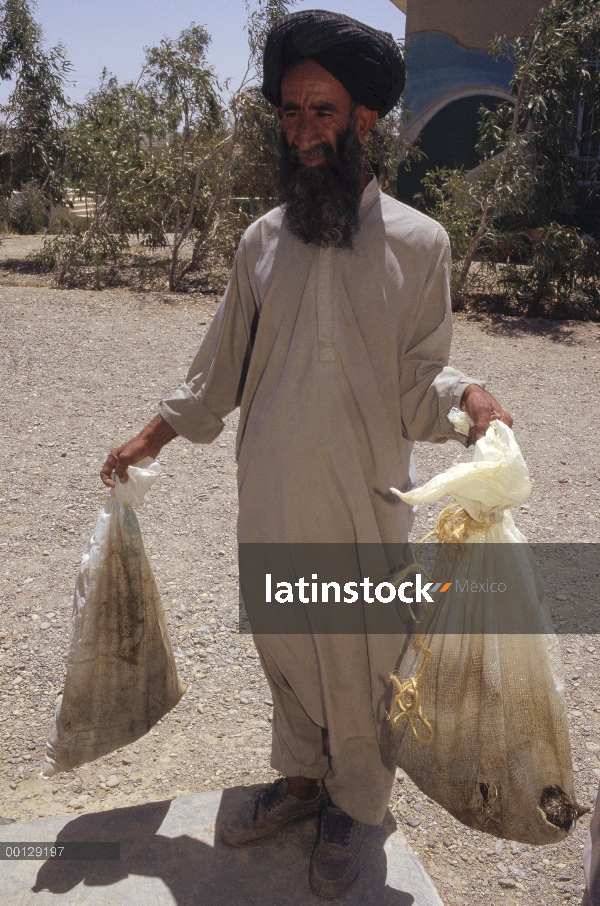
x=330, y=699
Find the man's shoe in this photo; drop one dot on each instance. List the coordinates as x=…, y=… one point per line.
x=270, y=809
x=335, y=861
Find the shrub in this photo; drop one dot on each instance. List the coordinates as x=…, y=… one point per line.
x=29, y=211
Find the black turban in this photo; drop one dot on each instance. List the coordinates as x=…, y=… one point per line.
x=367, y=62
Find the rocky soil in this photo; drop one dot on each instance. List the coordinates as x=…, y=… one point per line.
x=82, y=372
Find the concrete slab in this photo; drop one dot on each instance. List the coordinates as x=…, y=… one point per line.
x=171, y=856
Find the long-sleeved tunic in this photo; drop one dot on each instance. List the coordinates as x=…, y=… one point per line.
x=338, y=360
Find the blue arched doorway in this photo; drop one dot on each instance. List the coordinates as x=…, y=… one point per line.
x=448, y=139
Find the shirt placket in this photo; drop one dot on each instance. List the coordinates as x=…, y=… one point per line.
x=325, y=306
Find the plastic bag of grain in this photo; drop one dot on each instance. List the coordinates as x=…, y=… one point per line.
x=479, y=718
x=121, y=674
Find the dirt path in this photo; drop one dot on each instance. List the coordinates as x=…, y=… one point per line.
x=83, y=371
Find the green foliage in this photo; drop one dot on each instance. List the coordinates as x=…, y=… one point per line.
x=188, y=170
x=105, y=157
x=106, y=149
x=181, y=85
x=452, y=205
x=142, y=153
x=385, y=146
x=65, y=221
x=256, y=162
x=562, y=276
x=448, y=197
x=31, y=120
x=555, y=73
x=162, y=156
x=523, y=213
x=262, y=16
x=29, y=211
x=103, y=248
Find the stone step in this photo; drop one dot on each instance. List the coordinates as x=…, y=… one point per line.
x=81, y=207
x=170, y=856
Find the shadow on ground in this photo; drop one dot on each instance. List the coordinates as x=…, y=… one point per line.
x=199, y=869
x=507, y=326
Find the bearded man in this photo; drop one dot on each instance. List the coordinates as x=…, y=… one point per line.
x=333, y=338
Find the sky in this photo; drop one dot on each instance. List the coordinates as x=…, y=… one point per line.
x=113, y=33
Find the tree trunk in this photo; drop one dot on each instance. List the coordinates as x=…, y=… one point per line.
x=175, y=276
x=475, y=243
x=488, y=208
x=101, y=215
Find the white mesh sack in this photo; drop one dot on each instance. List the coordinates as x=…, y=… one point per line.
x=121, y=674
x=478, y=719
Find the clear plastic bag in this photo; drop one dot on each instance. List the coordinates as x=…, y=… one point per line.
x=121, y=674
x=479, y=717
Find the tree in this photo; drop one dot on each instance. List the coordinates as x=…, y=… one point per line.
x=256, y=165
x=31, y=121
x=525, y=200
x=159, y=157
x=192, y=159
x=107, y=163
x=140, y=152
x=386, y=145
x=211, y=148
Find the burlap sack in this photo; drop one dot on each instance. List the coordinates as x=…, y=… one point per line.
x=479, y=718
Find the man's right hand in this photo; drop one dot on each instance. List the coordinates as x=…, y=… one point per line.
x=149, y=442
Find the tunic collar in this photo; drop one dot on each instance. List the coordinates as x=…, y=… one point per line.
x=369, y=196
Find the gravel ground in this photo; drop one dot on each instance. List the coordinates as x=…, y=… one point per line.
x=82, y=372
x=16, y=248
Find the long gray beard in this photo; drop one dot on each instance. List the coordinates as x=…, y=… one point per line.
x=322, y=203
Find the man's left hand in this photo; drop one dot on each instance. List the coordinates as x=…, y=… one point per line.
x=482, y=408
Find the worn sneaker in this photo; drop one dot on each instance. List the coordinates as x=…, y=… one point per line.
x=335, y=861
x=270, y=809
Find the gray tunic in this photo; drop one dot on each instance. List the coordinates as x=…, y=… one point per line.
x=338, y=361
